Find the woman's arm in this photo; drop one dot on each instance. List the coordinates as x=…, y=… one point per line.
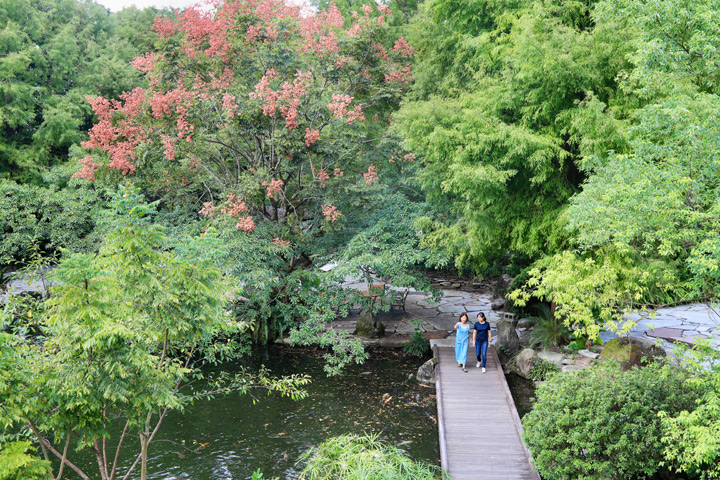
x=489, y=335
x=474, y=334
x=456, y=325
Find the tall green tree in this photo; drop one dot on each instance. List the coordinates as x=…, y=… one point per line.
x=124, y=332
x=509, y=99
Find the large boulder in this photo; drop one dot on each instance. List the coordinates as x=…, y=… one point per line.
x=630, y=351
x=426, y=372
x=552, y=357
x=497, y=304
x=507, y=342
x=502, y=286
x=368, y=325
x=525, y=360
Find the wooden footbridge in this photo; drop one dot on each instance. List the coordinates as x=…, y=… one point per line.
x=478, y=424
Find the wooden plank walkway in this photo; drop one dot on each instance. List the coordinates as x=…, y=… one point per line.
x=478, y=424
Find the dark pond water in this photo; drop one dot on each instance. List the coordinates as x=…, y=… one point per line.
x=523, y=392
x=229, y=437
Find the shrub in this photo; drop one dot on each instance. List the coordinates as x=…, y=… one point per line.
x=350, y=457
x=542, y=370
x=549, y=330
x=418, y=344
x=602, y=423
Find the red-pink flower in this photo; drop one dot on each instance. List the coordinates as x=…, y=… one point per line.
x=338, y=173
x=371, y=175
x=402, y=47
x=169, y=143
x=208, y=209
x=144, y=63
x=311, y=136
x=321, y=176
x=281, y=243
x=88, y=170
x=331, y=213
x=229, y=104
x=275, y=186
x=339, y=105
x=164, y=27
x=246, y=224
x=234, y=206
x=410, y=157
x=404, y=75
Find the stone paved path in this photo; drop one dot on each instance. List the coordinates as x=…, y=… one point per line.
x=681, y=323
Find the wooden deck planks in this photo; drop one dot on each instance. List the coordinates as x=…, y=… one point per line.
x=478, y=425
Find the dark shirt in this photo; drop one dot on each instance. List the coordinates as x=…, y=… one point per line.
x=483, y=329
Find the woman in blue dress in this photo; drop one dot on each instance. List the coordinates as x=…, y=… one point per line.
x=461, y=341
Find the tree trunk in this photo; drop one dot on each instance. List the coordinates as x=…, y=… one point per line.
x=144, y=438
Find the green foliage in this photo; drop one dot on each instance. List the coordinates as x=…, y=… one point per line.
x=692, y=438
x=350, y=457
x=49, y=217
x=542, y=370
x=18, y=462
x=52, y=54
x=510, y=97
x=418, y=344
x=549, y=330
x=602, y=423
x=125, y=330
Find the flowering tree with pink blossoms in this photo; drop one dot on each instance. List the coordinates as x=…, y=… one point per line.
x=273, y=120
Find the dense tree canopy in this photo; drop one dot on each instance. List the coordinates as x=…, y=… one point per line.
x=52, y=54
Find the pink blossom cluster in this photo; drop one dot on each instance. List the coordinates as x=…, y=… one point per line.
x=144, y=63
x=287, y=98
x=403, y=75
x=371, y=175
x=229, y=104
x=234, y=206
x=331, y=213
x=169, y=143
x=339, y=105
x=380, y=51
x=273, y=187
x=317, y=31
x=321, y=175
x=118, y=138
x=403, y=48
x=88, y=170
x=208, y=209
x=337, y=173
x=409, y=157
x=246, y=224
x=311, y=136
x=281, y=243
x=164, y=27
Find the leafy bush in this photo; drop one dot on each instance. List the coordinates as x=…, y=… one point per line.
x=351, y=457
x=418, y=344
x=542, y=370
x=549, y=330
x=48, y=217
x=602, y=423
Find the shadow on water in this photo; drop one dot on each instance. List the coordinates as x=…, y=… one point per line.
x=523, y=392
x=229, y=437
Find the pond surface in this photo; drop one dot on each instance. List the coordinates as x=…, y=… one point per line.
x=523, y=392
x=229, y=437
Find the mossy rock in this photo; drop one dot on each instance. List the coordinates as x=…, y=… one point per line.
x=631, y=352
x=368, y=325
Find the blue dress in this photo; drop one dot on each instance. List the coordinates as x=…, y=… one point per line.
x=461, y=343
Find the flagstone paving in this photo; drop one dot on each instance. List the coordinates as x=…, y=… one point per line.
x=683, y=323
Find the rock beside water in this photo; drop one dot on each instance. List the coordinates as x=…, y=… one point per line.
x=368, y=325
x=426, y=372
x=630, y=351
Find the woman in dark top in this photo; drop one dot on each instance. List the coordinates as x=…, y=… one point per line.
x=482, y=336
